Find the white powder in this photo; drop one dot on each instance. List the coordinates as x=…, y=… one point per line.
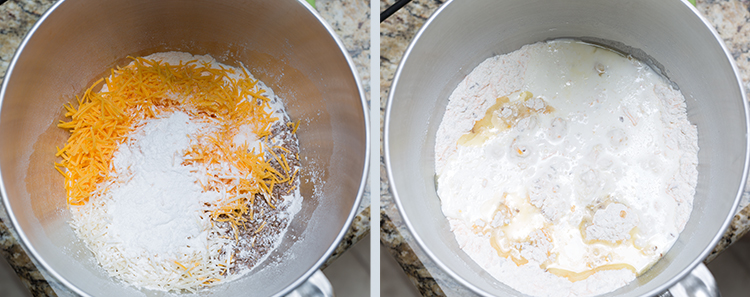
x=153, y=213
x=495, y=77
x=529, y=279
x=157, y=209
x=579, y=178
x=150, y=225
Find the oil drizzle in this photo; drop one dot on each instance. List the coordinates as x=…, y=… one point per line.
x=503, y=115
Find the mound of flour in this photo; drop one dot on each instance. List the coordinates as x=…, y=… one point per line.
x=565, y=169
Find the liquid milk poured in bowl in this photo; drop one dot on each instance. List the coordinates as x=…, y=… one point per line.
x=565, y=169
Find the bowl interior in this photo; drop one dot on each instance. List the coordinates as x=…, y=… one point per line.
x=668, y=35
x=281, y=42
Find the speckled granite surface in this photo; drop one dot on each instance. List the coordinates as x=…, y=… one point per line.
x=350, y=20
x=731, y=18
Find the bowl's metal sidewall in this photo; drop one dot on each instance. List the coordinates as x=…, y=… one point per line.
x=387, y=159
x=746, y=165
x=25, y=241
x=663, y=287
x=22, y=236
x=365, y=168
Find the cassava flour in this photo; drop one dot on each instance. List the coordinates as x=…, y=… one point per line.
x=199, y=188
x=565, y=169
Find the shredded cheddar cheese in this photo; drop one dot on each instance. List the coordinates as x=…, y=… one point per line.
x=101, y=121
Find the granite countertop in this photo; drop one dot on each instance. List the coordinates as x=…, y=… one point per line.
x=349, y=19
x=729, y=17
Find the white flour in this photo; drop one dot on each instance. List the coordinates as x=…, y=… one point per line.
x=565, y=169
x=152, y=214
x=157, y=209
x=150, y=225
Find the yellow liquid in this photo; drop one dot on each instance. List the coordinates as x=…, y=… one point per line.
x=579, y=276
x=494, y=122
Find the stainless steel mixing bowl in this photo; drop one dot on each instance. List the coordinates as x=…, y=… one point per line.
x=668, y=34
x=285, y=43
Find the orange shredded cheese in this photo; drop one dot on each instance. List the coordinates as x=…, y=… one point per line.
x=100, y=121
x=260, y=228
